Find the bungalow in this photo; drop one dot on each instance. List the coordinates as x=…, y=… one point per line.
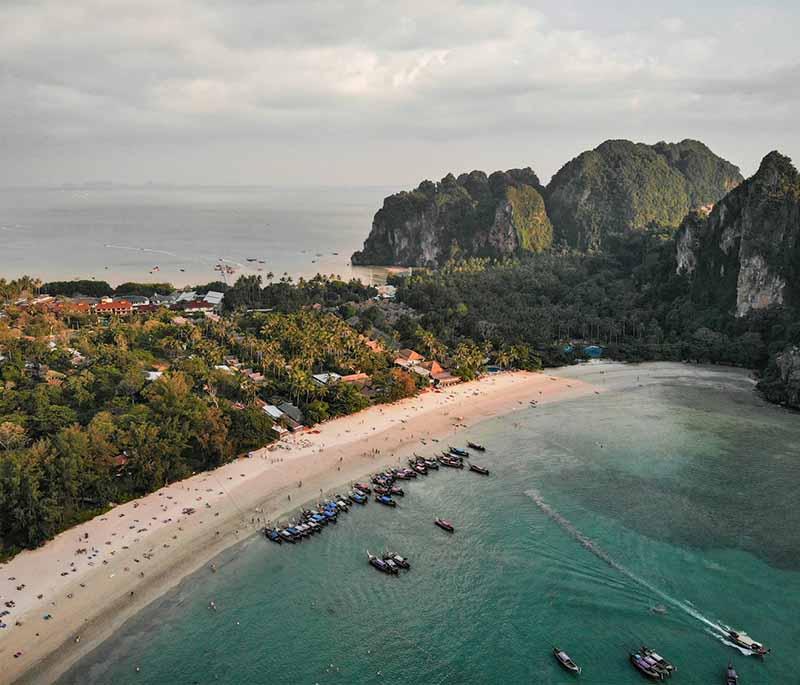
x=135, y=300
x=325, y=378
x=445, y=379
x=110, y=308
x=214, y=298
x=408, y=358
x=356, y=378
x=291, y=411
x=196, y=306
x=439, y=375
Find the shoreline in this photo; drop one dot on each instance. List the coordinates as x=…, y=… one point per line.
x=138, y=551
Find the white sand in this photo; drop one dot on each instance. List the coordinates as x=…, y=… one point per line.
x=148, y=545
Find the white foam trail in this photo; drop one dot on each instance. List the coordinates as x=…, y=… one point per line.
x=140, y=249
x=714, y=628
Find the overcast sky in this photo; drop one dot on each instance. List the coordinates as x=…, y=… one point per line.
x=381, y=93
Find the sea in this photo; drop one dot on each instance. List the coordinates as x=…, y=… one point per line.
x=656, y=512
x=181, y=235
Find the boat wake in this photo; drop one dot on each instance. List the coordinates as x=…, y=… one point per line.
x=718, y=630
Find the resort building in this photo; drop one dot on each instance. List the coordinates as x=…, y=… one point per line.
x=111, y=308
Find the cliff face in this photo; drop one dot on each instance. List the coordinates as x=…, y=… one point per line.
x=745, y=254
x=621, y=186
x=472, y=215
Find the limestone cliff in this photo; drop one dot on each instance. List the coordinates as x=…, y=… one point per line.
x=473, y=215
x=745, y=254
x=622, y=186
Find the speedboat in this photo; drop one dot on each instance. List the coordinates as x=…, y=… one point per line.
x=744, y=641
x=563, y=658
x=479, y=469
x=445, y=525
x=358, y=497
x=397, y=490
x=432, y=464
x=401, y=562
x=385, y=499
x=660, y=662
x=645, y=667
x=731, y=676
x=458, y=451
x=476, y=446
x=287, y=535
x=364, y=487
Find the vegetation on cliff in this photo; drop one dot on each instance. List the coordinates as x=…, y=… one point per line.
x=622, y=186
x=619, y=186
x=473, y=215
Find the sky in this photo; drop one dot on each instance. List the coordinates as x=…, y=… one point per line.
x=370, y=92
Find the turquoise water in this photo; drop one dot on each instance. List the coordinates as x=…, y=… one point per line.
x=678, y=487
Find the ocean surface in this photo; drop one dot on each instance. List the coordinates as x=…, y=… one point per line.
x=120, y=234
x=677, y=488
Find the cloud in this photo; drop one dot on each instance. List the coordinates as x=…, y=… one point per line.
x=81, y=80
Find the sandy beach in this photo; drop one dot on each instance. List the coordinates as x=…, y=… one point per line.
x=72, y=593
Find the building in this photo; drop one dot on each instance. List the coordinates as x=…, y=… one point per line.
x=136, y=300
x=408, y=358
x=325, y=378
x=291, y=411
x=111, y=308
x=593, y=351
x=214, y=298
x=440, y=376
x=196, y=307
x=356, y=378
x=386, y=292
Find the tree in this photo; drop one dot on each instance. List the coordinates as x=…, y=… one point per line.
x=468, y=359
x=12, y=436
x=393, y=385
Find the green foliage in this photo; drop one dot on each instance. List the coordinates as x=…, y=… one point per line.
x=394, y=384
x=473, y=215
x=71, y=288
x=143, y=289
x=621, y=186
x=534, y=231
x=285, y=296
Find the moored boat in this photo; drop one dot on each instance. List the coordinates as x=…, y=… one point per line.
x=379, y=564
x=385, y=500
x=641, y=664
x=476, y=446
x=397, y=490
x=660, y=662
x=459, y=452
x=401, y=562
x=744, y=641
x=731, y=676
x=273, y=535
x=563, y=658
x=358, y=497
x=479, y=469
x=432, y=464
x=364, y=487
x=445, y=525
x=287, y=535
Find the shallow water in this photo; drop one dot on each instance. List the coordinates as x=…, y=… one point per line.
x=676, y=488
